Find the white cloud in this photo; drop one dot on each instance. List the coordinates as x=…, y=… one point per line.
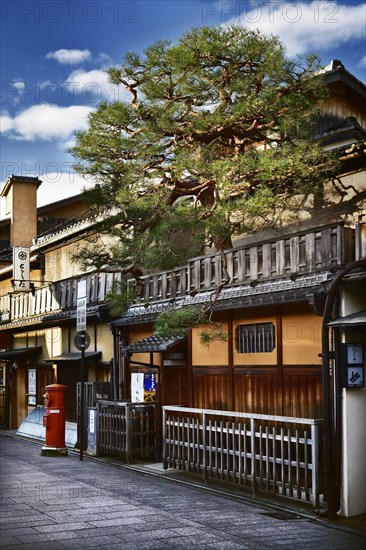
x=362, y=63
x=93, y=85
x=19, y=85
x=304, y=27
x=6, y=122
x=46, y=122
x=59, y=185
x=104, y=60
x=69, y=57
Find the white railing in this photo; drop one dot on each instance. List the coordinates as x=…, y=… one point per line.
x=58, y=296
x=263, y=453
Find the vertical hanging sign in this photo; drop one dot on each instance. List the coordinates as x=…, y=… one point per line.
x=81, y=306
x=137, y=387
x=21, y=269
x=32, y=387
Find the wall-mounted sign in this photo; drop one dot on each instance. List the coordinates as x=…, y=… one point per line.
x=150, y=387
x=354, y=354
x=143, y=387
x=352, y=366
x=137, y=387
x=21, y=269
x=81, y=306
x=32, y=387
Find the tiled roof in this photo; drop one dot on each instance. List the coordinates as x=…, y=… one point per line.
x=152, y=343
x=240, y=296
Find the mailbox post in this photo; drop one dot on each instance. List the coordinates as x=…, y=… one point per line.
x=55, y=421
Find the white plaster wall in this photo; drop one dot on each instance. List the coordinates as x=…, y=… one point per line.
x=353, y=494
x=353, y=482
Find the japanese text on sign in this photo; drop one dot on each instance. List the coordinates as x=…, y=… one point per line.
x=137, y=387
x=81, y=306
x=21, y=268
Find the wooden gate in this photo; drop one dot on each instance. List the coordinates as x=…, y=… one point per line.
x=127, y=430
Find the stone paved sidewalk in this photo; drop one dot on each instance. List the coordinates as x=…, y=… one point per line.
x=56, y=503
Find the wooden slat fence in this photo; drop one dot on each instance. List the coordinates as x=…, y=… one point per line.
x=273, y=454
x=127, y=430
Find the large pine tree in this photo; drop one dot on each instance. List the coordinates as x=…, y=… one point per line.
x=213, y=142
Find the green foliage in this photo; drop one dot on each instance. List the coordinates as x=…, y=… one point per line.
x=213, y=333
x=213, y=142
x=119, y=298
x=177, y=322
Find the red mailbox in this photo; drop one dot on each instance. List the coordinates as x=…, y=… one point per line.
x=55, y=421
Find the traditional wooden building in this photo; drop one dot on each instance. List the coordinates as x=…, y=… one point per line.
x=280, y=358
x=271, y=311
x=271, y=360
x=38, y=326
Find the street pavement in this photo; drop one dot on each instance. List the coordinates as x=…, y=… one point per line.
x=62, y=502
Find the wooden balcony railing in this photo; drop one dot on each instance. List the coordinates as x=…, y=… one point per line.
x=61, y=295
x=303, y=253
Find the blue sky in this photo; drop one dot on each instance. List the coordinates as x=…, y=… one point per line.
x=54, y=53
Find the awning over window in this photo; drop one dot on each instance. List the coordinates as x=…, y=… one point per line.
x=352, y=320
x=75, y=356
x=20, y=352
x=152, y=343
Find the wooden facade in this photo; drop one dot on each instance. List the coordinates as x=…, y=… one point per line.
x=271, y=274
x=285, y=382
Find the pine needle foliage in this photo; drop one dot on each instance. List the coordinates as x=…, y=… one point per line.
x=213, y=143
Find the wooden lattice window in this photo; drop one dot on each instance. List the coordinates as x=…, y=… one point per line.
x=255, y=338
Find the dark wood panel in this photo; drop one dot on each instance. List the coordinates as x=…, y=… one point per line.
x=175, y=381
x=44, y=377
x=257, y=393
x=257, y=369
x=294, y=391
x=302, y=394
x=210, y=391
x=69, y=374
x=210, y=370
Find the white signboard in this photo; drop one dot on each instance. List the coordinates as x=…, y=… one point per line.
x=137, y=387
x=81, y=315
x=81, y=306
x=91, y=422
x=21, y=269
x=82, y=288
x=355, y=377
x=32, y=381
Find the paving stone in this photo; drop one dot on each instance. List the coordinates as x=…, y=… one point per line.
x=48, y=545
x=95, y=504
x=94, y=542
x=116, y=521
x=120, y=530
x=41, y=537
x=130, y=513
x=16, y=531
x=61, y=527
x=8, y=541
